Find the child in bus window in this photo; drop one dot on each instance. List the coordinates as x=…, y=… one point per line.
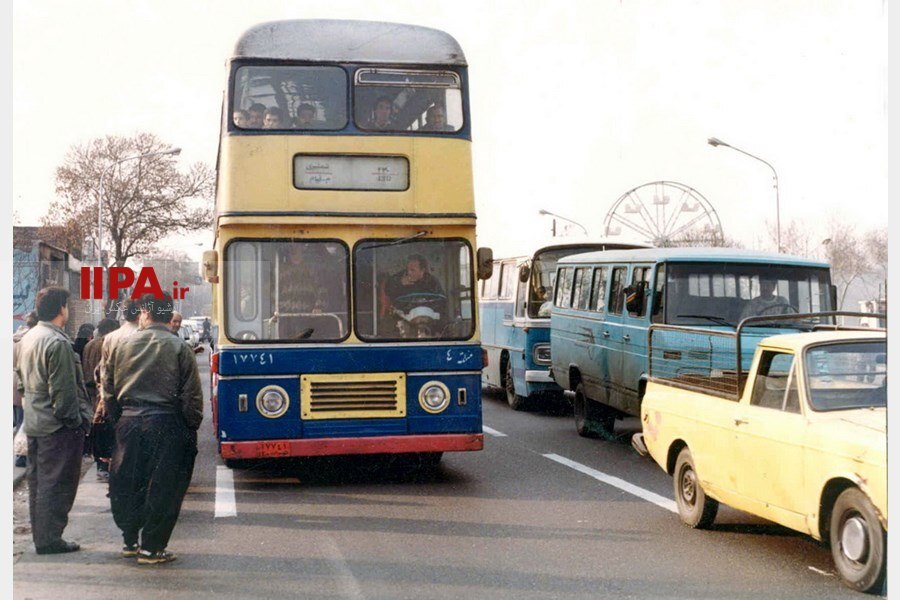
x=257, y=113
x=306, y=116
x=241, y=118
x=382, y=114
x=436, y=119
x=274, y=118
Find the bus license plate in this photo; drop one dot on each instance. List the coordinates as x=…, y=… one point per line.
x=273, y=449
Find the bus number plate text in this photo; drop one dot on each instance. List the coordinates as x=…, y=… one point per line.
x=273, y=449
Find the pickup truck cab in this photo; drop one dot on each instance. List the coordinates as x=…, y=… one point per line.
x=800, y=441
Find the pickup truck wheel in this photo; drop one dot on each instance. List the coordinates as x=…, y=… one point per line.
x=857, y=541
x=516, y=402
x=695, y=508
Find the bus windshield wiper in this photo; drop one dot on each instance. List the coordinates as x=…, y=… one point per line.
x=712, y=318
x=399, y=241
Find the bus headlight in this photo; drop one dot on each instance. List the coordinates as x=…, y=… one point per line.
x=541, y=354
x=434, y=397
x=272, y=401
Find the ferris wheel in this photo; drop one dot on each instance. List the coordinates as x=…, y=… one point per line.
x=665, y=213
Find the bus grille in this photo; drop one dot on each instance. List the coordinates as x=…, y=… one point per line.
x=352, y=396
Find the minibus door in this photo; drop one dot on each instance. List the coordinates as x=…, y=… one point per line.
x=611, y=338
x=634, y=336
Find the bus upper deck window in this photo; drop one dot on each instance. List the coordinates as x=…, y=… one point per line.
x=407, y=100
x=308, y=97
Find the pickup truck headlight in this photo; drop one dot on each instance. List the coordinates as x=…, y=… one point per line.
x=272, y=401
x=541, y=354
x=434, y=397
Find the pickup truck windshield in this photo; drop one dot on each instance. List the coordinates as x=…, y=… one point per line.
x=698, y=294
x=847, y=375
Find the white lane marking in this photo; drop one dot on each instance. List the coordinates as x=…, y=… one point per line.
x=492, y=432
x=616, y=482
x=225, y=503
x=346, y=581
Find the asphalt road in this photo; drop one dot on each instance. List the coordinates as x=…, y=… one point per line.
x=527, y=517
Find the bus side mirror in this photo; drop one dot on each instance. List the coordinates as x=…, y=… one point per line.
x=210, y=266
x=524, y=273
x=485, y=262
x=833, y=290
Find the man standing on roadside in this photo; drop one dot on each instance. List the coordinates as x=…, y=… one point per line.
x=57, y=417
x=152, y=392
x=90, y=362
x=104, y=435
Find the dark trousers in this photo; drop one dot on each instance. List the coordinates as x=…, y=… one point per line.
x=54, y=469
x=150, y=472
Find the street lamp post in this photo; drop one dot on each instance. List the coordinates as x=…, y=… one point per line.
x=714, y=142
x=172, y=152
x=556, y=216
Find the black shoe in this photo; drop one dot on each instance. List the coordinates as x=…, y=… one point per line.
x=155, y=558
x=130, y=550
x=20, y=461
x=60, y=547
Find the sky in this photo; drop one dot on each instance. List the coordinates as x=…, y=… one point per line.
x=573, y=103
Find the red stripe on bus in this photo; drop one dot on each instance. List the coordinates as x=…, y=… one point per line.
x=361, y=445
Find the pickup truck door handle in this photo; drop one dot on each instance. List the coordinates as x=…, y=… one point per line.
x=605, y=334
x=626, y=338
x=740, y=421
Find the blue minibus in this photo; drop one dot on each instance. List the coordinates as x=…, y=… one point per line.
x=514, y=311
x=604, y=303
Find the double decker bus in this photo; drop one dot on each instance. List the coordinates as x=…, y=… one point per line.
x=344, y=265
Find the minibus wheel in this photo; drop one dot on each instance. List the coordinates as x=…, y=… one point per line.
x=516, y=402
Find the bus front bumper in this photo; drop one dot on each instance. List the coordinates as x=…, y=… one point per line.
x=538, y=376
x=345, y=446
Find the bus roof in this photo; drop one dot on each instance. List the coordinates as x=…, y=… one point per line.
x=349, y=41
x=691, y=255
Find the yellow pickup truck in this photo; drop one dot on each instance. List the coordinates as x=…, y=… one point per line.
x=798, y=439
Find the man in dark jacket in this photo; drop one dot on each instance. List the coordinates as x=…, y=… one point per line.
x=90, y=364
x=57, y=416
x=151, y=391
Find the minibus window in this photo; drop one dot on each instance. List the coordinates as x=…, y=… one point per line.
x=564, y=288
x=616, y=295
x=598, y=292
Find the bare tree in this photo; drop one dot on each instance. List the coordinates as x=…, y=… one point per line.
x=847, y=256
x=144, y=199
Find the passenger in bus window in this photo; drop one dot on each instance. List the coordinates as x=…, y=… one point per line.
x=436, y=119
x=274, y=118
x=382, y=114
x=767, y=302
x=306, y=116
x=241, y=118
x=257, y=113
x=301, y=288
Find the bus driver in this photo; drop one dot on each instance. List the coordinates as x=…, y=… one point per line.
x=414, y=295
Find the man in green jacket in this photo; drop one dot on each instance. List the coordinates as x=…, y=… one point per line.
x=57, y=417
x=152, y=392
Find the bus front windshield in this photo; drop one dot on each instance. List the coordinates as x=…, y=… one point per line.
x=543, y=276
x=418, y=289
x=725, y=293
x=287, y=290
